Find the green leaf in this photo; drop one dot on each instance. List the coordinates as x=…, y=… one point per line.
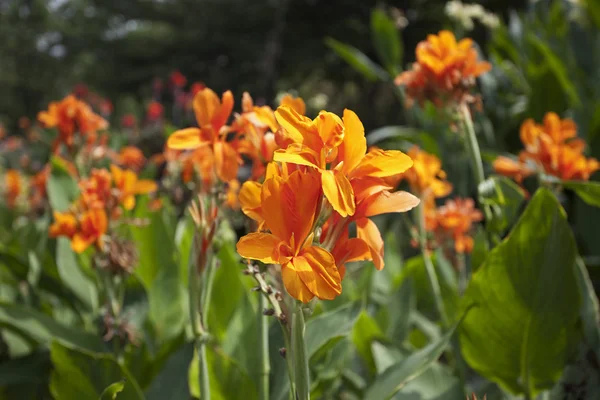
x=32, y=369
x=330, y=327
x=366, y=331
x=227, y=379
x=72, y=276
x=505, y=199
x=526, y=301
x=587, y=191
x=402, y=303
x=159, y=271
x=393, y=132
x=590, y=311
x=358, y=60
x=386, y=41
x=111, y=392
x=62, y=188
x=42, y=328
x=172, y=383
x=85, y=375
x=398, y=375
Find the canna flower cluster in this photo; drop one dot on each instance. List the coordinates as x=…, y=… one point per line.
x=103, y=195
x=445, y=71
x=322, y=180
x=71, y=116
x=426, y=178
x=13, y=187
x=551, y=148
x=453, y=222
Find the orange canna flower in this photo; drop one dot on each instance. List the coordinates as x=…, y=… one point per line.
x=231, y=197
x=552, y=148
x=71, y=116
x=296, y=103
x=321, y=142
x=131, y=157
x=293, y=205
x=65, y=224
x=14, y=185
x=445, y=70
x=453, y=221
x=96, y=190
x=426, y=177
x=129, y=185
x=211, y=115
x=93, y=224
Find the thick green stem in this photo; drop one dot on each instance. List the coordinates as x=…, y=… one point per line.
x=299, y=356
x=463, y=273
x=265, y=368
x=429, y=268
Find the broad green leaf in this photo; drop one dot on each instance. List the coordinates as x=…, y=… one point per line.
x=158, y=270
x=69, y=270
x=590, y=311
x=358, y=60
x=386, y=41
x=526, y=301
x=227, y=379
x=398, y=375
x=172, y=383
x=42, y=328
x=587, y=191
x=62, y=188
x=112, y=391
x=86, y=375
x=402, y=303
x=32, y=369
x=364, y=332
x=385, y=356
x=436, y=383
x=330, y=327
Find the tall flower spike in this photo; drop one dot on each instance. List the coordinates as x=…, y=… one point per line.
x=291, y=206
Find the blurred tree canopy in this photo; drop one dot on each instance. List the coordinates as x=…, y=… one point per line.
x=263, y=46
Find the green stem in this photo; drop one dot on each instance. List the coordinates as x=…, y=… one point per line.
x=288, y=359
x=463, y=274
x=263, y=323
x=299, y=356
x=196, y=319
x=115, y=302
x=429, y=268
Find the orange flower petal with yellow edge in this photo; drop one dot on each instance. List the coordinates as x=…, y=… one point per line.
x=316, y=267
x=145, y=186
x=249, y=198
x=226, y=161
x=339, y=192
x=382, y=163
x=367, y=230
x=297, y=127
x=349, y=250
x=206, y=105
x=294, y=284
x=79, y=243
x=129, y=202
x=330, y=128
x=297, y=104
x=258, y=246
x=296, y=153
x=385, y=202
x=354, y=147
x=185, y=139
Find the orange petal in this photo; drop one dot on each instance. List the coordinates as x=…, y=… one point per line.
x=368, y=231
x=296, y=126
x=297, y=104
x=249, y=198
x=79, y=244
x=206, y=104
x=296, y=153
x=330, y=129
x=351, y=250
x=222, y=115
x=316, y=267
x=226, y=161
x=144, y=186
x=385, y=202
x=379, y=163
x=258, y=246
x=294, y=284
x=339, y=192
x=184, y=139
x=129, y=202
x=354, y=146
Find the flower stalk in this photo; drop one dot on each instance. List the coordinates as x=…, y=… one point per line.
x=299, y=356
x=265, y=363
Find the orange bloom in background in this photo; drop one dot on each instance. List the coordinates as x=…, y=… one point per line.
x=70, y=116
x=551, y=148
x=83, y=230
x=426, y=177
x=131, y=157
x=445, y=70
x=212, y=115
x=454, y=221
x=129, y=186
x=37, y=185
x=231, y=197
x=291, y=207
x=96, y=190
x=65, y=224
x=178, y=79
x=13, y=187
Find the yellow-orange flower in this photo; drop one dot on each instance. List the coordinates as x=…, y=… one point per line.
x=71, y=116
x=14, y=185
x=322, y=142
x=445, y=70
x=426, y=177
x=552, y=148
x=131, y=157
x=129, y=186
x=83, y=230
x=212, y=115
x=454, y=221
x=96, y=190
x=291, y=206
